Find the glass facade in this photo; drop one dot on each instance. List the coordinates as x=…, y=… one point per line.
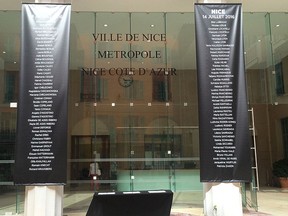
x=129, y=107
x=133, y=105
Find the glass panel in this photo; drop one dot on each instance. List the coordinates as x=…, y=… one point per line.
x=257, y=58
x=9, y=75
x=184, y=107
x=260, y=82
x=144, y=122
x=279, y=31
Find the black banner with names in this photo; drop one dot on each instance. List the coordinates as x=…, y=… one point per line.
x=223, y=111
x=41, y=142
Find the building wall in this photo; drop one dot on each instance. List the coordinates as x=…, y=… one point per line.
x=131, y=129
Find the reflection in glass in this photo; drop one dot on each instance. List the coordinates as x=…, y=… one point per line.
x=148, y=138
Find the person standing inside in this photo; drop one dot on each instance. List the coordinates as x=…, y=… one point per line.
x=94, y=174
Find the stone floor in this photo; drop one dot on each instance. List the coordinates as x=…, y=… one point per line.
x=271, y=201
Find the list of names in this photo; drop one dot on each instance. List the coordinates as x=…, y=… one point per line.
x=221, y=83
x=42, y=119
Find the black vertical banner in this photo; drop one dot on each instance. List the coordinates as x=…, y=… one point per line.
x=41, y=142
x=223, y=111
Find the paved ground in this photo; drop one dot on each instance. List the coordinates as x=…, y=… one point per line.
x=271, y=201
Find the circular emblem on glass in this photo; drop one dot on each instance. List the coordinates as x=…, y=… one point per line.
x=125, y=80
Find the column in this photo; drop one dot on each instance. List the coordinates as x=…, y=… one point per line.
x=222, y=199
x=43, y=201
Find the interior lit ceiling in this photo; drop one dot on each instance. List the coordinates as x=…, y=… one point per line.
x=156, y=6
x=256, y=36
